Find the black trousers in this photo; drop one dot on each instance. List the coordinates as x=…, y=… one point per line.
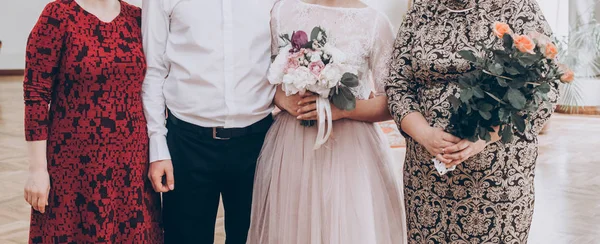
x=205, y=169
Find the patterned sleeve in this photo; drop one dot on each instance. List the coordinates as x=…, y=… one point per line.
x=530, y=18
x=43, y=53
x=401, y=87
x=381, y=52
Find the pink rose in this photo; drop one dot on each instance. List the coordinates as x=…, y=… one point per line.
x=299, y=39
x=294, y=60
x=292, y=64
x=316, y=68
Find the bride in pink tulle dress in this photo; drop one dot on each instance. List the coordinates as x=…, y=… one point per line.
x=344, y=192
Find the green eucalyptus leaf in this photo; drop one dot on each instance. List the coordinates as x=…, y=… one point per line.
x=496, y=68
x=344, y=99
x=350, y=80
x=468, y=55
x=315, y=33
x=485, y=115
x=478, y=92
x=544, y=87
x=501, y=82
x=482, y=132
x=488, y=137
x=517, y=84
x=516, y=98
x=455, y=102
x=512, y=70
x=503, y=115
x=519, y=122
x=464, y=81
x=507, y=134
x=466, y=95
x=473, y=139
x=528, y=59
x=484, y=106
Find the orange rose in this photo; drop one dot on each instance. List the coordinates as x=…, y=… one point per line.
x=501, y=28
x=524, y=44
x=550, y=50
x=567, y=77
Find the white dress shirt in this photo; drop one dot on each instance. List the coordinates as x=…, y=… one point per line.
x=207, y=63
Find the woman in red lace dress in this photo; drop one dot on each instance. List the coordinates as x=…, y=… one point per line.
x=86, y=129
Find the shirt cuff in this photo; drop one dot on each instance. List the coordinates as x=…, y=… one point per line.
x=158, y=148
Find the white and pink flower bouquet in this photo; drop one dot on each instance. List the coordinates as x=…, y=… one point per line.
x=314, y=65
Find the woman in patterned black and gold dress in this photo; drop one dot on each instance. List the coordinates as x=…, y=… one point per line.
x=489, y=197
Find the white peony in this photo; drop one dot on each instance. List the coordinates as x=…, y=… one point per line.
x=337, y=56
x=331, y=75
x=317, y=88
x=298, y=80
x=277, y=68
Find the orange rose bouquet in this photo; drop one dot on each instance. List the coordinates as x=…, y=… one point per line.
x=507, y=86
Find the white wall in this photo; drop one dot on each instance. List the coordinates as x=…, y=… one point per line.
x=17, y=18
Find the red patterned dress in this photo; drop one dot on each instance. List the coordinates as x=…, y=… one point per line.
x=82, y=94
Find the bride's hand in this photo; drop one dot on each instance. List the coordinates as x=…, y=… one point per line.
x=308, y=110
x=290, y=104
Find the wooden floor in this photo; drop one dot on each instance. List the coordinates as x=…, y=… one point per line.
x=567, y=183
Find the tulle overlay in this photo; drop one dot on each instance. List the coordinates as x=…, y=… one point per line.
x=342, y=193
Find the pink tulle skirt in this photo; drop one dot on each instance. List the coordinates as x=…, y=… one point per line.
x=342, y=193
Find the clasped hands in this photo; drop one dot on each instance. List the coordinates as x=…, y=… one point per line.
x=303, y=106
x=447, y=148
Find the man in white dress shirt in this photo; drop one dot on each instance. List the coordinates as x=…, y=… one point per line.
x=207, y=65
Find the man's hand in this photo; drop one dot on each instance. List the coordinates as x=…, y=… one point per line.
x=290, y=104
x=157, y=171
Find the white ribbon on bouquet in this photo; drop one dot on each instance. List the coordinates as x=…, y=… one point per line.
x=441, y=167
x=323, y=116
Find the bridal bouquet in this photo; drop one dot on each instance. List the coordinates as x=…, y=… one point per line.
x=507, y=87
x=313, y=65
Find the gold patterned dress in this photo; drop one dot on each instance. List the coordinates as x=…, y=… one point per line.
x=488, y=198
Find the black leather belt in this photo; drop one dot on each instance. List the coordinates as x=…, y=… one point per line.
x=220, y=133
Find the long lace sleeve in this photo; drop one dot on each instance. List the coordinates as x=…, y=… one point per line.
x=401, y=88
x=529, y=19
x=275, y=29
x=44, y=48
x=381, y=53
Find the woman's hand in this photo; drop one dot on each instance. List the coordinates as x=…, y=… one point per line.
x=290, y=104
x=308, y=110
x=462, y=151
x=37, y=189
x=435, y=140
x=466, y=149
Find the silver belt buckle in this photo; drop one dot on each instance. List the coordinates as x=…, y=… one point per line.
x=214, y=134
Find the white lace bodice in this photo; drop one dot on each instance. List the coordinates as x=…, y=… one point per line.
x=363, y=34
